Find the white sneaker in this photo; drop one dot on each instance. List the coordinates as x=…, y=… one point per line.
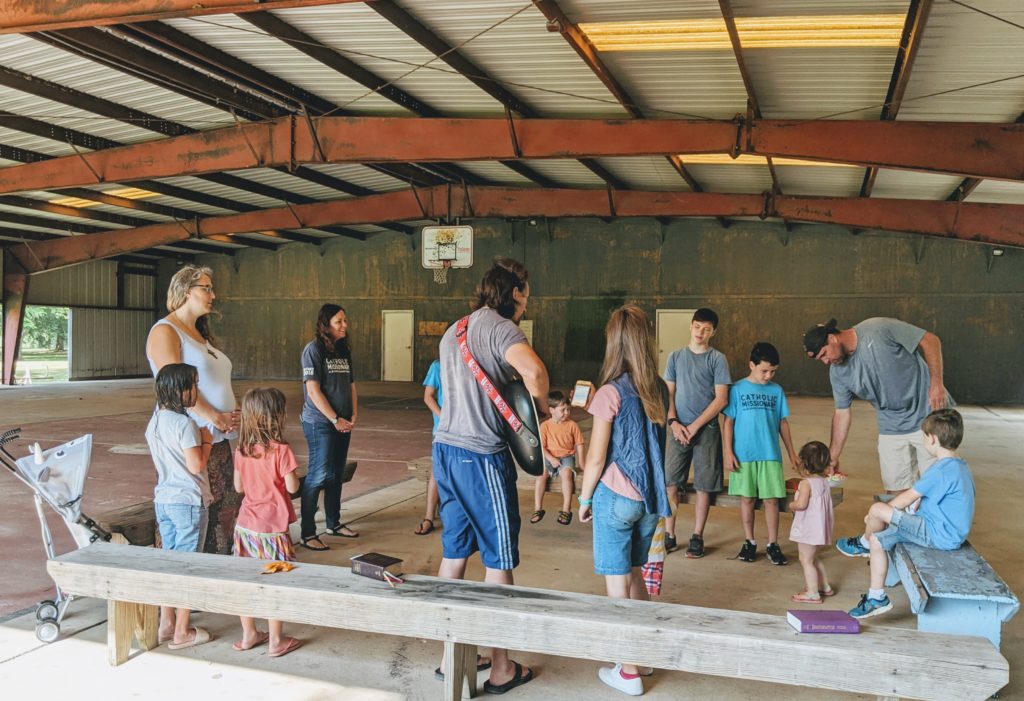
x=613, y=678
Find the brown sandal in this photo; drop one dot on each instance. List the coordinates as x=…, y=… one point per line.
x=537, y=516
x=565, y=517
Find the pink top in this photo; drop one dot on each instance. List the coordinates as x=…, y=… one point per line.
x=813, y=525
x=266, y=507
x=605, y=406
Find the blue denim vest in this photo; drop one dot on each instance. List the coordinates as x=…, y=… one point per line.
x=637, y=446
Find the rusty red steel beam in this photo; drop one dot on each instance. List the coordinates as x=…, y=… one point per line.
x=988, y=223
x=961, y=148
x=23, y=16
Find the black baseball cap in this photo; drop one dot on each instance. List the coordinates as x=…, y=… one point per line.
x=816, y=337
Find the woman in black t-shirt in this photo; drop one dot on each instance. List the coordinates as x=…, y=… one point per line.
x=328, y=416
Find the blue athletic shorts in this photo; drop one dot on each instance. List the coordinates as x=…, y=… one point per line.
x=479, y=505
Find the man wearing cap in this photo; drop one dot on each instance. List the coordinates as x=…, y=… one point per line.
x=878, y=361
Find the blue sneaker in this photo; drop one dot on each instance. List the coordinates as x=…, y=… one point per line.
x=852, y=547
x=871, y=607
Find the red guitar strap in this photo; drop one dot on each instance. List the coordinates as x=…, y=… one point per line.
x=481, y=377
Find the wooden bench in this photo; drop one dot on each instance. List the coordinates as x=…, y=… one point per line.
x=135, y=524
x=952, y=591
x=421, y=468
x=890, y=662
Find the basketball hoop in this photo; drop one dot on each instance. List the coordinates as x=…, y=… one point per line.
x=441, y=273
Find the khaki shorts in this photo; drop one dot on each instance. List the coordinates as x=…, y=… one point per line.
x=903, y=459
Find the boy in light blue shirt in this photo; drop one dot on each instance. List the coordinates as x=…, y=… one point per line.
x=943, y=518
x=754, y=419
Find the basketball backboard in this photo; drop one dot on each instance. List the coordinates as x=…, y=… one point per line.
x=447, y=247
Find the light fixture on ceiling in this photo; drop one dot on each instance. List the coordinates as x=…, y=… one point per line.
x=807, y=31
x=747, y=159
x=997, y=252
x=128, y=193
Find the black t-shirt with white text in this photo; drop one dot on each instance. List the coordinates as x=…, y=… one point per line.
x=334, y=373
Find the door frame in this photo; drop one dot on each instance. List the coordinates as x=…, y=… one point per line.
x=412, y=342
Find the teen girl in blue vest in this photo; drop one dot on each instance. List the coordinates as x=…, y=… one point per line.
x=623, y=487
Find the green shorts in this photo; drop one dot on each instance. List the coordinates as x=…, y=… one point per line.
x=761, y=479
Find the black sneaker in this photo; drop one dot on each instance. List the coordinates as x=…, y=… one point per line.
x=775, y=554
x=670, y=543
x=696, y=548
x=748, y=553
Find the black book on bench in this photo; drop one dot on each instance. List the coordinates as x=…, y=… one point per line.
x=374, y=565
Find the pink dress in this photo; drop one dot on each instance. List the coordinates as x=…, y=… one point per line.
x=813, y=525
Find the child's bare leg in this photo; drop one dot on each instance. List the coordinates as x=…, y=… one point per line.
x=808, y=562
x=879, y=562
x=276, y=629
x=166, y=629
x=539, y=488
x=620, y=586
x=673, y=504
x=182, y=630
x=568, y=488
x=637, y=588
x=823, y=584
x=747, y=517
x=771, y=519
x=878, y=518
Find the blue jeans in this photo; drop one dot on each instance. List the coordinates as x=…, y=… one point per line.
x=622, y=532
x=182, y=526
x=328, y=453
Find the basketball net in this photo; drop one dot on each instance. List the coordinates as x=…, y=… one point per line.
x=441, y=274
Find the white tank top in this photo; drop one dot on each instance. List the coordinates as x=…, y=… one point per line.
x=214, y=377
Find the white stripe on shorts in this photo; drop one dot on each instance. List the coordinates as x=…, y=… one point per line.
x=499, y=507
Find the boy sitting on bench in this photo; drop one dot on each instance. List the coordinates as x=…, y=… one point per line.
x=942, y=520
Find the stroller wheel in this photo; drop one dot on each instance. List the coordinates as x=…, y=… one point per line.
x=46, y=609
x=48, y=630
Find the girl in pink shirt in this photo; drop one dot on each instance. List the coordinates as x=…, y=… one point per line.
x=265, y=474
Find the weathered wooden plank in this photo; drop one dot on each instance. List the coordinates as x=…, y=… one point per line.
x=136, y=523
x=908, y=574
x=890, y=661
x=958, y=574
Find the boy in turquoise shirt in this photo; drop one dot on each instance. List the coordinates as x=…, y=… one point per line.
x=754, y=419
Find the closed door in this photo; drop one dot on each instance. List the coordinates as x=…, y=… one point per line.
x=673, y=332
x=396, y=363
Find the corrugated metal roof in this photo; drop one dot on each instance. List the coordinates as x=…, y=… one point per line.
x=961, y=47
x=44, y=61
x=536, y=65
x=361, y=175
x=820, y=181
x=998, y=191
x=60, y=219
x=646, y=173
x=494, y=171
x=566, y=173
x=745, y=179
x=908, y=185
x=69, y=117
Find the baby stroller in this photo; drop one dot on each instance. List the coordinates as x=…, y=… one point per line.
x=55, y=476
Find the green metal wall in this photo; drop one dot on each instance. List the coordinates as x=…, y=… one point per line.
x=765, y=283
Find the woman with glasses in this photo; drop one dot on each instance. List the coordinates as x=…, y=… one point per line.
x=184, y=336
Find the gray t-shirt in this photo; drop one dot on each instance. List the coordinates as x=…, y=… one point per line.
x=334, y=373
x=168, y=435
x=468, y=418
x=695, y=376
x=887, y=371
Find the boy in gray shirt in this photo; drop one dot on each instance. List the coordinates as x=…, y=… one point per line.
x=698, y=380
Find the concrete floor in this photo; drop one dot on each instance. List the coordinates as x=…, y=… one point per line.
x=385, y=505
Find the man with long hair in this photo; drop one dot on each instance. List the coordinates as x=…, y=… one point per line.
x=475, y=474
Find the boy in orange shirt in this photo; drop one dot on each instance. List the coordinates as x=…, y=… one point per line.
x=562, y=443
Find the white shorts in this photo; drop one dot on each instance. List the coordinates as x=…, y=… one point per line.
x=903, y=459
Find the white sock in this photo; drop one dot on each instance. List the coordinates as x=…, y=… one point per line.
x=752, y=542
x=876, y=594
x=865, y=543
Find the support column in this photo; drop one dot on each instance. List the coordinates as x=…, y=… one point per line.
x=15, y=291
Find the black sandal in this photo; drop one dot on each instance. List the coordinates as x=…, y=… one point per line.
x=537, y=516
x=337, y=531
x=305, y=542
x=518, y=679
x=425, y=531
x=564, y=517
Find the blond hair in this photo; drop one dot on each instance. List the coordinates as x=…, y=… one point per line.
x=630, y=350
x=262, y=422
x=185, y=279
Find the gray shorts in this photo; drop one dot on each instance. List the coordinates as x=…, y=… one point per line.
x=905, y=528
x=705, y=454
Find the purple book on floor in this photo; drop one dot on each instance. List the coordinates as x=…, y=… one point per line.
x=822, y=621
